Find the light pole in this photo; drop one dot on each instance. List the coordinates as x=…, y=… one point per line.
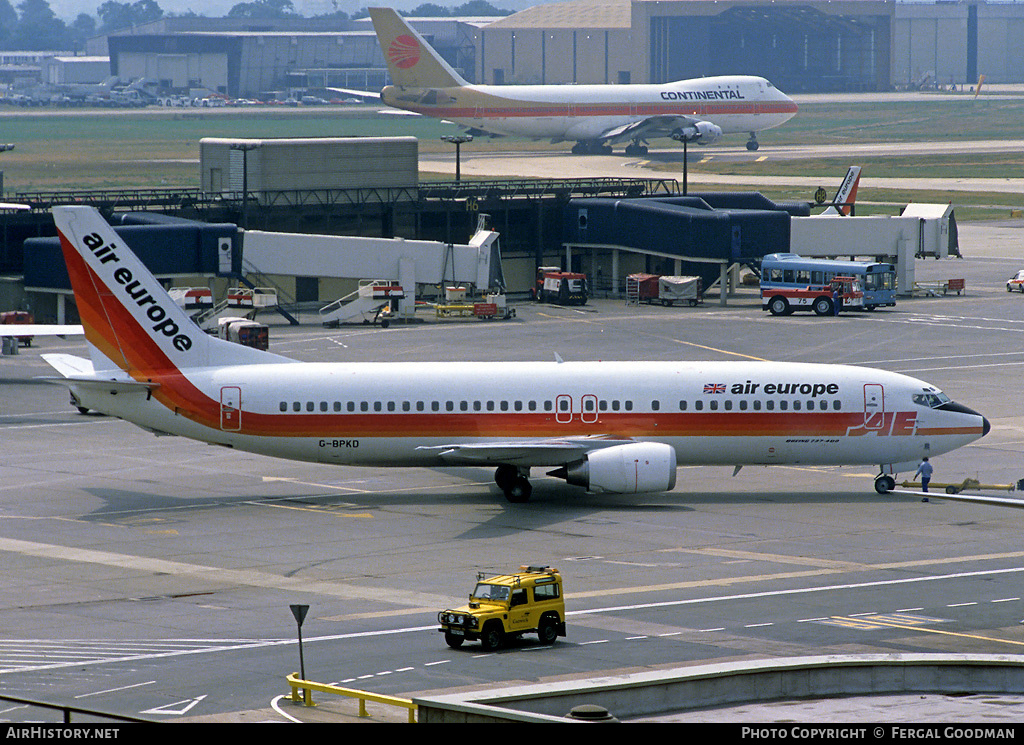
x=458, y=141
x=4, y=147
x=244, y=148
x=680, y=137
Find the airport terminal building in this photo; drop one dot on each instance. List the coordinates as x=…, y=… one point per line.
x=801, y=45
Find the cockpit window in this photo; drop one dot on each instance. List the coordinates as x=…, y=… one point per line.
x=931, y=400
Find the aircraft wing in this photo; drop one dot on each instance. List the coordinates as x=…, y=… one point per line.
x=355, y=92
x=524, y=452
x=654, y=126
x=39, y=329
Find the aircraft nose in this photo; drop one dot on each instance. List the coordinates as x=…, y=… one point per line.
x=985, y=427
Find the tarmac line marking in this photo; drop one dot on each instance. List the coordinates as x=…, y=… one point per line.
x=216, y=575
x=822, y=572
x=959, y=634
x=794, y=591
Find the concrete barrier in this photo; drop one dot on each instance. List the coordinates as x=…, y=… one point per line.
x=725, y=684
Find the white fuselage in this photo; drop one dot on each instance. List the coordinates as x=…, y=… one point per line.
x=389, y=414
x=735, y=103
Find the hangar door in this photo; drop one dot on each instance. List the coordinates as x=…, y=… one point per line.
x=798, y=48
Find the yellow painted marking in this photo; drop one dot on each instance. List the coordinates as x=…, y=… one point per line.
x=720, y=351
x=867, y=623
x=776, y=558
x=957, y=634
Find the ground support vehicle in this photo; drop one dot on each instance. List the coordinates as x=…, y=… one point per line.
x=790, y=271
x=507, y=606
x=18, y=317
x=1016, y=282
x=652, y=288
x=493, y=306
x=245, y=332
x=564, y=288
x=844, y=292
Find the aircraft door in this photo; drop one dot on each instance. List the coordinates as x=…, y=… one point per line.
x=563, y=409
x=874, y=406
x=588, y=409
x=231, y=408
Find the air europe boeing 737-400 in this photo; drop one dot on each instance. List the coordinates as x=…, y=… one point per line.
x=613, y=427
x=700, y=110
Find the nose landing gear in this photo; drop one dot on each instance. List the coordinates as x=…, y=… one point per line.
x=884, y=483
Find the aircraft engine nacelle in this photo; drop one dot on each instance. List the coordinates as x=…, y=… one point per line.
x=625, y=469
x=702, y=133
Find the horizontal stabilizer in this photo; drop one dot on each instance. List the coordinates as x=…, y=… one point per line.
x=971, y=498
x=40, y=329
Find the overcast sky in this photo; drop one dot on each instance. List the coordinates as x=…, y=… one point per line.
x=69, y=9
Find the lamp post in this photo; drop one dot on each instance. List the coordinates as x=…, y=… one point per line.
x=458, y=141
x=4, y=147
x=244, y=148
x=683, y=138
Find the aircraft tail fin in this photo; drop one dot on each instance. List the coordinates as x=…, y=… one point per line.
x=130, y=321
x=842, y=203
x=411, y=61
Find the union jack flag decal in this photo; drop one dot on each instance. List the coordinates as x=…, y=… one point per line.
x=714, y=388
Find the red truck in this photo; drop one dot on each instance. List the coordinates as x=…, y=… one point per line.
x=18, y=317
x=825, y=300
x=561, y=288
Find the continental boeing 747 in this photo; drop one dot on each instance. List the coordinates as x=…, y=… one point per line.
x=700, y=110
x=610, y=427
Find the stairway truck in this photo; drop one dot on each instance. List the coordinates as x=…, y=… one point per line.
x=564, y=288
x=842, y=293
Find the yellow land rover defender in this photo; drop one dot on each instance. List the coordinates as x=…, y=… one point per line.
x=508, y=605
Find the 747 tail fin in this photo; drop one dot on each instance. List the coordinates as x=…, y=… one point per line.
x=411, y=61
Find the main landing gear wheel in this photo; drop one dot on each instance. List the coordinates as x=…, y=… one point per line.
x=884, y=483
x=636, y=149
x=752, y=144
x=513, y=483
x=588, y=147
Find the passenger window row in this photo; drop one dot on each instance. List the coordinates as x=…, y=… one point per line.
x=563, y=405
x=766, y=405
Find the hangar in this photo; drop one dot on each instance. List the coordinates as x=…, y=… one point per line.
x=800, y=45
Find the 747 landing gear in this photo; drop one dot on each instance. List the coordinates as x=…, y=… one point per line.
x=637, y=148
x=591, y=147
x=752, y=142
x=514, y=483
x=884, y=483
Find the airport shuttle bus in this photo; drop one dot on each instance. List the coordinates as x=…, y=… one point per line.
x=790, y=271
